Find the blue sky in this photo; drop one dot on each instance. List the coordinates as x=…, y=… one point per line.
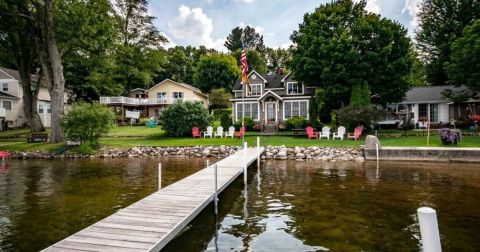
x=208, y=22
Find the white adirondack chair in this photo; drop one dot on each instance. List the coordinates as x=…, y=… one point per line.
x=230, y=132
x=325, y=132
x=219, y=132
x=340, y=133
x=209, y=132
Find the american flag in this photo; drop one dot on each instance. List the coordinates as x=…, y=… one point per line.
x=243, y=59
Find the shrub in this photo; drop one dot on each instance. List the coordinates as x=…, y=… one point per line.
x=87, y=122
x=450, y=136
x=84, y=149
x=249, y=122
x=226, y=120
x=296, y=123
x=179, y=118
x=352, y=116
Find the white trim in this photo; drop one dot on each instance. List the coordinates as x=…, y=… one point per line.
x=283, y=80
x=292, y=82
x=308, y=108
x=241, y=103
x=274, y=88
x=274, y=94
x=264, y=80
x=185, y=85
x=297, y=97
x=240, y=99
x=8, y=75
x=274, y=111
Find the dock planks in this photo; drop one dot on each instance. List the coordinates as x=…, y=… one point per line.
x=152, y=222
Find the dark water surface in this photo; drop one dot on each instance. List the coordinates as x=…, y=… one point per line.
x=290, y=206
x=298, y=206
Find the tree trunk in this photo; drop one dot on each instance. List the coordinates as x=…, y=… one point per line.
x=30, y=98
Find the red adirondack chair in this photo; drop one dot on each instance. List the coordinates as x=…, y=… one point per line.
x=311, y=134
x=196, y=132
x=240, y=133
x=356, y=134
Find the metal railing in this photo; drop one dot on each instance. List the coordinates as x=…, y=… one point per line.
x=136, y=101
x=2, y=112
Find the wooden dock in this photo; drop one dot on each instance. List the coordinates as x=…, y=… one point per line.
x=149, y=224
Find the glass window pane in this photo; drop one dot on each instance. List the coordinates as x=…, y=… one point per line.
x=422, y=110
x=434, y=112
x=7, y=105
x=288, y=109
x=295, y=109
x=303, y=109
x=5, y=87
x=254, y=111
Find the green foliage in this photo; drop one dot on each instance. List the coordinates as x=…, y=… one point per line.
x=219, y=99
x=226, y=120
x=179, y=118
x=256, y=61
x=87, y=122
x=365, y=94
x=216, y=71
x=296, y=123
x=440, y=23
x=354, y=115
x=465, y=66
x=84, y=149
x=248, y=37
x=248, y=121
x=341, y=44
x=277, y=58
x=356, y=95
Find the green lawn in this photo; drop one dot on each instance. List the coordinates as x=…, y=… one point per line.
x=126, y=137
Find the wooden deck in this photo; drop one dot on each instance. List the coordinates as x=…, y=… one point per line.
x=149, y=224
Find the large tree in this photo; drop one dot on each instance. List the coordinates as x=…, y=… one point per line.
x=340, y=45
x=440, y=23
x=255, y=59
x=277, y=58
x=18, y=51
x=247, y=38
x=464, y=68
x=216, y=71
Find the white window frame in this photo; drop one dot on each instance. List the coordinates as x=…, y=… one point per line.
x=296, y=82
x=275, y=111
x=163, y=95
x=48, y=108
x=5, y=86
x=3, y=105
x=308, y=108
x=241, y=103
x=261, y=91
x=178, y=93
x=40, y=107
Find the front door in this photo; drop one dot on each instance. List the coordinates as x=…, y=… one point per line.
x=271, y=112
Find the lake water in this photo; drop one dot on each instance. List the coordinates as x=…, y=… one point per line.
x=287, y=205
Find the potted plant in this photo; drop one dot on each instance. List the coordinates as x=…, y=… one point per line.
x=450, y=136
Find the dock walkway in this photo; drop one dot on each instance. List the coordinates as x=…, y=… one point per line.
x=149, y=224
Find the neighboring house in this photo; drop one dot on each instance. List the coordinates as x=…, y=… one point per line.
x=11, y=100
x=274, y=98
x=151, y=102
x=430, y=103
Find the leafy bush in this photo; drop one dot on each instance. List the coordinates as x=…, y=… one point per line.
x=249, y=123
x=226, y=120
x=87, y=122
x=450, y=136
x=84, y=149
x=296, y=123
x=179, y=118
x=352, y=116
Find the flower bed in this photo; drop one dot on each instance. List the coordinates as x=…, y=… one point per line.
x=450, y=136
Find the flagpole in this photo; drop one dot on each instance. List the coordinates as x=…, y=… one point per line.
x=244, y=91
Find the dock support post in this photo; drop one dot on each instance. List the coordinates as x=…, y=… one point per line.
x=159, y=182
x=258, y=151
x=427, y=218
x=245, y=163
x=216, y=189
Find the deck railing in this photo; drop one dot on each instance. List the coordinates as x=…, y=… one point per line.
x=136, y=101
x=2, y=112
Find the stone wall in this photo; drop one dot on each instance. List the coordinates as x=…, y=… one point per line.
x=452, y=154
x=313, y=153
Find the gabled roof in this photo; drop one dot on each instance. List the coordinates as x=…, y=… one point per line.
x=431, y=94
x=272, y=93
x=194, y=89
x=284, y=78
x=8, y=96
x=138, y=89
x=272, y=81
x=259, y=75
x=7, y=73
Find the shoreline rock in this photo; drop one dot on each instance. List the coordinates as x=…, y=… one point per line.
x=271, y=152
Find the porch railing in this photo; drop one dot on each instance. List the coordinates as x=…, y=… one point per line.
x=136, y=101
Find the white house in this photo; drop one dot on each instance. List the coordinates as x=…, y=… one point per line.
x=430, y=103
x=11, y=100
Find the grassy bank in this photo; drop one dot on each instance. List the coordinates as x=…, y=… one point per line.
x=127, y=137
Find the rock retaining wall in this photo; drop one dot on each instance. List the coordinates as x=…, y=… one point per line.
x=449, y=154
x=313, y=153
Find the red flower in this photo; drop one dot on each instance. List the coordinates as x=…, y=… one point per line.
x=422, y=119
x=475, y=118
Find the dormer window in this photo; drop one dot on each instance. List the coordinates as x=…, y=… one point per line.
x=294, y=88
x=256, y=89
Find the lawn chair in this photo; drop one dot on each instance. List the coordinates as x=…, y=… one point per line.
x=230, y=132
x=209, y=132
x=196, y=132
x=340, y=133
x=151, y=123
x=356, y=134
x=311, y=134
x=219, y=132
x=325, y=132
x=240, y=133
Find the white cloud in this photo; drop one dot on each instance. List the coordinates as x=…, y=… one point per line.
x=195, y=27
x=413, y=7
x=245, y=1
x=170, y=43
x=373, y=6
